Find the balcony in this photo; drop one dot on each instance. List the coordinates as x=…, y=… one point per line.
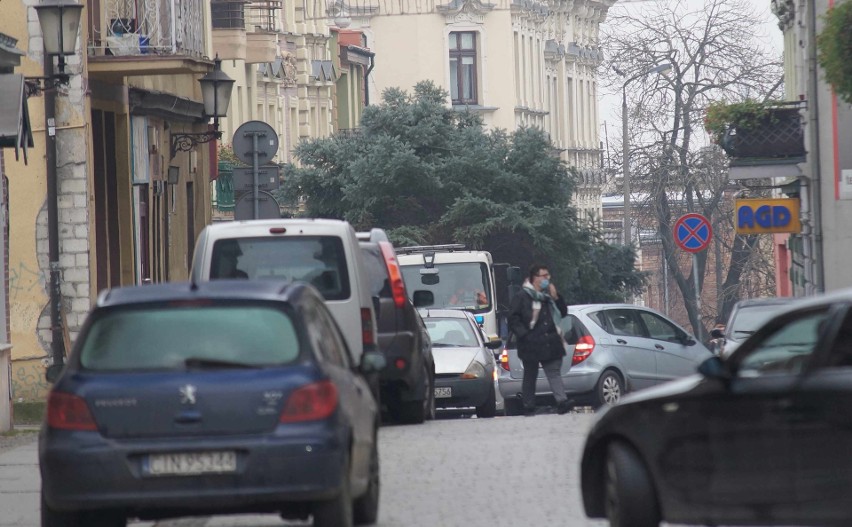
x=139, y=37
x=229, y=28
x=263, y=25
x=771, y=146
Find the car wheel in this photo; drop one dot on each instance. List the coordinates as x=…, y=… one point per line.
x=630, y=500
x=513, y=406
x=609, y=390
x=489, y=408
x=366, y=508
x=336, y=512
x=429, y=409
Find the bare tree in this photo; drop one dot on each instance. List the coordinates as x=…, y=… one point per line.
x=714, y=55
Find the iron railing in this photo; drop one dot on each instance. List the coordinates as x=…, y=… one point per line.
x=140, y=27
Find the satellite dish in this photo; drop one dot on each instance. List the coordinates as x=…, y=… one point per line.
x=243, y=142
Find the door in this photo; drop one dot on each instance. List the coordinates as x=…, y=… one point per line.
x=673, y=357
x=750, y=426
x=628, y=345
x=819, y=414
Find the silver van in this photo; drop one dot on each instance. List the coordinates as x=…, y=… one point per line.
x=323, y=253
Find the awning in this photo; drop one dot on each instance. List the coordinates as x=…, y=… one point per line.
x=15, y=129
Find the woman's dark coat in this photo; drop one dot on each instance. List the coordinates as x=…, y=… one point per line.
x=542, y=342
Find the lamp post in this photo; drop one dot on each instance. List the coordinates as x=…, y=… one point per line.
x=60, y=22
x=216, y=87
x=625, y=145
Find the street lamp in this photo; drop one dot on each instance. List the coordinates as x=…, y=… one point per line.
x=60, y=22
x=216, y=89
x=625, y=146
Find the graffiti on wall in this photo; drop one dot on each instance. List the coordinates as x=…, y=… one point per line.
x=28, y=382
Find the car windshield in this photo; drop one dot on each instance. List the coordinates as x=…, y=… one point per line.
x=189, y=336
x=455, y=285
x=318, y=260
x=451, y=332
x=749, y=319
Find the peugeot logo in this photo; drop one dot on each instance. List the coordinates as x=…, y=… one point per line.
x=187, y=394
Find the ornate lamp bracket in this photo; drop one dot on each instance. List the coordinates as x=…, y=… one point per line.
x=186, y=142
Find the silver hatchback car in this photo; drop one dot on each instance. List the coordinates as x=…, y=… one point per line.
x=613, y=349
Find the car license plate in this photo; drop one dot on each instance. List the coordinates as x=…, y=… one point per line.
x=190, y=463
x=443, y=393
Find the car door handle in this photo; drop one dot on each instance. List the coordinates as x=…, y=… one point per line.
x=659, y=347
x=621, y=341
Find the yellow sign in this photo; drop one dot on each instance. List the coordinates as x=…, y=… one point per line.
x=764, y=216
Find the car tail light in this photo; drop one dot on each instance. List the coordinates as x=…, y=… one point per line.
x=584, y=347
x=310, y=403
x=504, y=360
x=367, y=336
x=69, y=412
x=394, y=273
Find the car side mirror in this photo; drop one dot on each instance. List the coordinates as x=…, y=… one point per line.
x=715, y=368
x=372, y=362
x=52, y=372
x=494, y=344
x=423, y=298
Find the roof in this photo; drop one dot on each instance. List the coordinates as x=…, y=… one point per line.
x=263, y=290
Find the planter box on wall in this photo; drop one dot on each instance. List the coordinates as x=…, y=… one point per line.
x=776, y=136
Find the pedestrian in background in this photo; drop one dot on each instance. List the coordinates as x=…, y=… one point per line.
x=534, y=316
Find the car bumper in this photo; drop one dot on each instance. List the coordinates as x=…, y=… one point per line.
x=465, y=392
x=84, y=471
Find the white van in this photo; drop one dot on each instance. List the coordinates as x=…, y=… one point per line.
x=324, y=253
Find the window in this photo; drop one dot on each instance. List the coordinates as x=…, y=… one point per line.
x=787, y=349
x=165, y=337
x=318, y=260
x=623, y=322
x=658, y=328
x=325, y=336
x=451, y=332
x=463, y=67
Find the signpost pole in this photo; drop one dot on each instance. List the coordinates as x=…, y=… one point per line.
x=254, y=170
x=697, y=291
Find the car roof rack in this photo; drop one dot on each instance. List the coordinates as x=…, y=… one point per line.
x=450, y=247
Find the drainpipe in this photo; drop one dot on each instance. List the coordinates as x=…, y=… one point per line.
x=816, y=175
x=367, y=80
x=57, y=348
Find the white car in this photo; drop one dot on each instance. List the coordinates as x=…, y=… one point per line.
x=324, y=253
x=465, y=367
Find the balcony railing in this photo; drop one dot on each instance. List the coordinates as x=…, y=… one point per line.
x=228, y=14
x=141, y=27
x=777, y=136
x=262, y=15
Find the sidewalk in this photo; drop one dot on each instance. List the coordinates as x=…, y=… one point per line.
x=20, y=484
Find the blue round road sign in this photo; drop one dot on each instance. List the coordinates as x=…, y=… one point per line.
x=692, y=232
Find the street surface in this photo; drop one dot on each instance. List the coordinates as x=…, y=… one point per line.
x=453, y=472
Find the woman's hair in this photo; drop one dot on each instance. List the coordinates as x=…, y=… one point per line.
x=535, y=269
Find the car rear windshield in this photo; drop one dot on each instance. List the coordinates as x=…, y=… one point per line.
x=748, y=319
x=170, y=337
x=318, y=260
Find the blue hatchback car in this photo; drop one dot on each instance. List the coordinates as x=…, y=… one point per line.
x=215, y=398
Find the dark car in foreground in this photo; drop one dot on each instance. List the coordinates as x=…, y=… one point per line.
x=759, y=438
x=407, y=385
x=213, y=398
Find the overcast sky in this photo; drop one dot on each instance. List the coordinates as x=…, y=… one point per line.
x=611, y=102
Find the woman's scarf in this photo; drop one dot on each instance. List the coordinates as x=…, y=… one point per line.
x=538, y=297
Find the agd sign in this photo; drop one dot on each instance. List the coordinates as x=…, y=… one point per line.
x=769, y=215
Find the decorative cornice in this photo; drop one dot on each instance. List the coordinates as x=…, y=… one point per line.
x=341, y=8
x=460, y=11
x=785, y=10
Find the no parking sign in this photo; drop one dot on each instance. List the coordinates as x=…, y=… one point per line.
x=692, y=232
